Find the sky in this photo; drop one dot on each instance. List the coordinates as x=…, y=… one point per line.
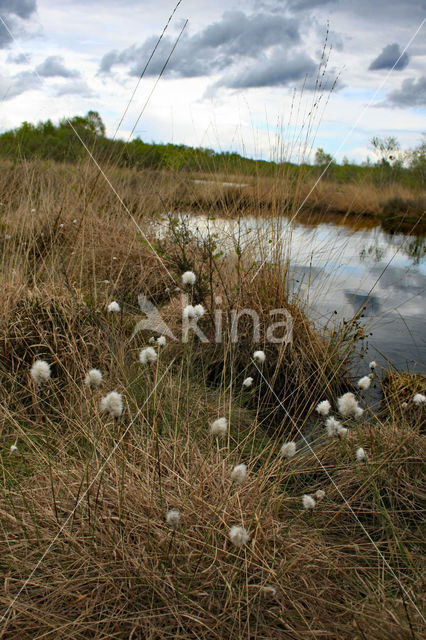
x=270, y=79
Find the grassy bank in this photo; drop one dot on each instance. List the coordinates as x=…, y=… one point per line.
x=86, y=549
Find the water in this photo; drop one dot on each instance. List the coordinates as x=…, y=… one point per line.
x=336, y=268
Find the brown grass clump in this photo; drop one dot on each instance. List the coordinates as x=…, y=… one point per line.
x=85, y=549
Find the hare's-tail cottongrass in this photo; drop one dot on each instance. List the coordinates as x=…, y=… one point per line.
x=364, y=383
x=361, y=455
x=323, y=408
x=93, y=378
x=419, y=399
x=248, y=382
x=334, y=427
x=348, y=406
x=173, y=518
x=40, y=371
x=219, y=427
x=114, y=307
x=239, y=473
x=259, y=357
x=308, y=502
x=189, y=277
x=238, y=536
x=113, y=404
x=288, y=450
x=147, y=355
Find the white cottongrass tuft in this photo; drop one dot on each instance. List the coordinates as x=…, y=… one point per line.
x=248, y=382
x=288, y=450
x=404, y=405
x=308, y=502
x=259, y=356
x=199, y=311
x=334, y=427
x=320, y=494
x=161, y=341
x=93, y=378
x=151, y=340
x=238, y=536
x=193, y=313
x=372, y=365
x=173, y=518
x=114, y=307
x=239, y=473
x=364, y=383
x=219, y=427
x=40, y=371
x=419, y=399
x=13, y=448
x=348, y=406
x=113, y=403
x=147, y=355
x=360, y=455
x=324, y=408
x=189, y=277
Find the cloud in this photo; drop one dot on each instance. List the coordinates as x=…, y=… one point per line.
x=21, y=8
x=19, y=58
x=411, y=94
x=74, y=87
x=9, y=11
x=233, y=38
x=54, y=66
x=390, y=58
x=10, y=87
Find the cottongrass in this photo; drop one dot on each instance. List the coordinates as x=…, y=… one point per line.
x=161, y=341
x=193, y=313
x=93, y=378
x=238, y=536
x=248, y=382
x=259, y=357
x=364, y=383
x=320, y=494
x=239, y=473
x=288, y=450
x=173, y=518
x=13, y=448
x=360, y=455
x=113, y=404
x=114, y=307
x=219, y=427
x=189, y=277
x=334, y=427
x=308, y=502
x=404, y=405
x=323, y=408
x=348, y=406
x=419, y=399
x=40, y=371
x=147, y=355
x=373, y=365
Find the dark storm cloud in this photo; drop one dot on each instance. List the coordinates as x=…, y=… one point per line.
x=54, y=66
x=236, y=36
x=16, y=85
x=411, y=94
x=390, y=58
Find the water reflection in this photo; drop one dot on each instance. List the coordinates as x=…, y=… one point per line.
x=335, y=267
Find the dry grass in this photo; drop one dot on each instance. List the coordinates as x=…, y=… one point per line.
x=85, y=549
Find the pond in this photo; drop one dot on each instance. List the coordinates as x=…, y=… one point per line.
x=336, y=268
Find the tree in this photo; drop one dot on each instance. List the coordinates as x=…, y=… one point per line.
x=323, y=159
x=386, y=150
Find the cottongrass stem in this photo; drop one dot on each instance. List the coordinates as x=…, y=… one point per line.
x=238, y=536
x=93, y=378
x=40, y=371
x=147, y=355
x=219, y=427
x=113, y=404
x=173, y=518
x=239, y=473
x=288, y=450
x=308, y=502
x=114, y=307
x=324, y=408
x=189, y=277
